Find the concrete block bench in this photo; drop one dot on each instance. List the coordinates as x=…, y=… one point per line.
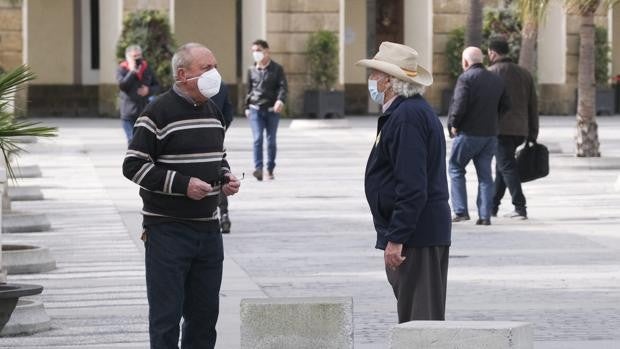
x=298, y=323
x=462, y=335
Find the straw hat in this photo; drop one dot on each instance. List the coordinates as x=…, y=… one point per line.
x=399, y=61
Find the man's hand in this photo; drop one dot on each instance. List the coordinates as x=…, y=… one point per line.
x=453, y=132
x=247, y=113
x=279, y=106
x=197, y=189
x=143, y=90
x=393, y=255
x=232, y=187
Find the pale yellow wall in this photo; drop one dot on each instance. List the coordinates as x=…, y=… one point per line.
x=418, y=30
x=552, y=45
x=211, y=23
x=110, y=26
x=354, y=41
x=50, y=41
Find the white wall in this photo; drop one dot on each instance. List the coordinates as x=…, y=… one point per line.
x=418, y=29
x=552, y=45
x=110, y=26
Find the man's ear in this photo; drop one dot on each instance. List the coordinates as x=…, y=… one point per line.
x=181, y=75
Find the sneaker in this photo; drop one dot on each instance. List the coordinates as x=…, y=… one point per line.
x=258, y=173
x=460, y=217
x=517, y=214
x=225, y=223
x=481, y=221
x=270, y=175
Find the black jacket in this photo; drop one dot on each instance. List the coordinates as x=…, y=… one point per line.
x=131, y=103
x=266, y=86
x=479, y=98
x=405, y=184
x=522, y=118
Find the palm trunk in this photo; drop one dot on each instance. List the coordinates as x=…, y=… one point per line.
x=473, y=35
x=527, y=56
x=587, y=130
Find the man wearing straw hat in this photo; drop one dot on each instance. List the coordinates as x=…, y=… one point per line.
x=406, y=185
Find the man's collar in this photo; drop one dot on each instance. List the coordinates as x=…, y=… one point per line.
x=184, y=95
x=264, y=66
x=387, y=104
x=502, y=59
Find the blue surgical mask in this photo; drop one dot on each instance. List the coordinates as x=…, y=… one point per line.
x=375, y=95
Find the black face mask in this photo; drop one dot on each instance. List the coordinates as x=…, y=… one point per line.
x=138, y=61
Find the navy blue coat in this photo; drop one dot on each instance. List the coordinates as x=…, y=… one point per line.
x=222, y=101
x=406, y=184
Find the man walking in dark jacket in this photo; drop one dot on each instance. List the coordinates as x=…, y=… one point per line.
x=479, y=98
x=518, y=124
x=137, y=83
x=406, y=185
x=267, y=90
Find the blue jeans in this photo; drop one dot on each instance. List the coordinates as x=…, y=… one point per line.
x=481, y=150
x=183, y=278
x=128, y=128
x=261, y=121
x=507, y=173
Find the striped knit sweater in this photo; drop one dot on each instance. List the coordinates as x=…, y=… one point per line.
x=173, y=141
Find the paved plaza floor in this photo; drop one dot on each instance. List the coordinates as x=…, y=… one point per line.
x=309, y=233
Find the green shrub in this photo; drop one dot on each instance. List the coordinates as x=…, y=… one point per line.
x=322, y=56
x=505, y=23
x=601, y=56
x=454, y=50
x=150, y=29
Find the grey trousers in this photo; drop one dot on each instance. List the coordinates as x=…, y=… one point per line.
x=420, y=283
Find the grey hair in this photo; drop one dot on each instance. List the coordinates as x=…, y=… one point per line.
x=132, y=48
x=405, y=88
x=183, y=57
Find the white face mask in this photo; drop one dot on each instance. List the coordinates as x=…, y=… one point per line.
x=258, y=56
x=375, y=95
x=209, y=83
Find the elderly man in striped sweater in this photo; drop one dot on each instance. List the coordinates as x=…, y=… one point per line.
x=177, y=158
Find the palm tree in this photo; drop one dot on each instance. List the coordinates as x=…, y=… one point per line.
x=587, y=142
x=532, y=12
x=473, y=33
x=10, y=129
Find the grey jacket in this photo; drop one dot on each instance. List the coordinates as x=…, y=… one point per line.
x=522, y=118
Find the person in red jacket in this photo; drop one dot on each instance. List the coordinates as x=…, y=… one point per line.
x=137, y=84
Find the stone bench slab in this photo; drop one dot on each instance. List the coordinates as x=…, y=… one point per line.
x=462, y=335
x=23, y=222
x=28, y=317
x=301, y=323
x=30, y=171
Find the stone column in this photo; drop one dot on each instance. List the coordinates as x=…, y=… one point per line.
x=289, y=25
x=110, y=26
x=615, y=39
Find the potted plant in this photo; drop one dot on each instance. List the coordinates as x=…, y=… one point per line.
x=322, y=100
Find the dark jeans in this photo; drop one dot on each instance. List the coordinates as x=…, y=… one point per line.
x=263, y=121
x=183, y=278
x=507, y=173
x=128, y=129
x=223, y=203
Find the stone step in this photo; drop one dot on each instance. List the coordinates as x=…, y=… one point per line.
x=301, y=323
x=462, y=335
x=25, y=193
x=23, y=222
x=29, y=171
x=27, y=259
x=29, y=317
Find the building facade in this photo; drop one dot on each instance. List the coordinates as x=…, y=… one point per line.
x=71, y=44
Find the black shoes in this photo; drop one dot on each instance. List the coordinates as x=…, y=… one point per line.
x=517, y=214
x=460, y=218
x=270, y=175
x=494, y=211
x=225, y=223
x=481, y=221
x=258, y=173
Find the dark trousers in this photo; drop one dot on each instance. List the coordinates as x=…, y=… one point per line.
x=419, y=283
x=507, y=173
x=223, y=203
x=183, y=278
